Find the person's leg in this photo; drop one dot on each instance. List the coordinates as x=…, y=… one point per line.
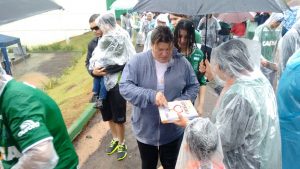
x=168, y=153
x=96, y=85
x=102, y=89
x=118, y=108
x=107, y=116
x=120, y=131
x=149, y=155
x=95, y=90
x=112, y=126
x=102, y=93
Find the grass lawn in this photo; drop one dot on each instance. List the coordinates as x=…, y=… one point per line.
x=72, y=90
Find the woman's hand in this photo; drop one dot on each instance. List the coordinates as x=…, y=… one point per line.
x=205, y=68
x=99, y=72
x=160, y=100
x=182, y=122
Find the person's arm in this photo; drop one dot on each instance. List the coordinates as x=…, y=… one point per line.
x=130, y=89
x=91, y=48
x=201, y=100
x=192, y=85
x=41, y=155
x=234, y=120
x=111, y=69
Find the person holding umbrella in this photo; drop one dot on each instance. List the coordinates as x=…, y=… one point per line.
x=209, y=27
x=246, y=112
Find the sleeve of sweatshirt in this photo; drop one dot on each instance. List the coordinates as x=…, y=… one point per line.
x=192, y=85
x=129, y=86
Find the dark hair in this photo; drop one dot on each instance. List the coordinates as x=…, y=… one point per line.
x=93, y=18
x=161, y=34
x=179, y=15
x=185, y=24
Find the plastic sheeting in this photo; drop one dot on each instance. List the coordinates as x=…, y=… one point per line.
x=289, y=44
x=201, y=146
x=4, y=79
x=113, y=48
x=288, y=98
x=246, y=112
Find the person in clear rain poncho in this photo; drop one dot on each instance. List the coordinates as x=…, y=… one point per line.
x=113, y=49
x=201, y=146
x=289, y=44
x=246, y=112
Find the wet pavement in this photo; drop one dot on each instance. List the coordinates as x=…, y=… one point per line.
x=39, y=68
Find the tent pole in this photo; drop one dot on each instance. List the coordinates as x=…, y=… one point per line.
x=6, y=61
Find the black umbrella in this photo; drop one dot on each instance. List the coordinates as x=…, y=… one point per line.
x=12, y=10
x=204, y=7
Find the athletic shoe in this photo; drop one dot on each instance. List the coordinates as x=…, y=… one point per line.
x=122, y=152
x=93, y=98
x=112, y=147
x=98, y=104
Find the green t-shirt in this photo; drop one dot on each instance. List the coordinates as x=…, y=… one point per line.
x=28, y=116
x=195, y=58
x=268, y=39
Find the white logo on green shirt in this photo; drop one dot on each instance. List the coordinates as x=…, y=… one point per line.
x=26, y=126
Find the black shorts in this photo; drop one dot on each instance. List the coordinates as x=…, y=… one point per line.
x=114, y=106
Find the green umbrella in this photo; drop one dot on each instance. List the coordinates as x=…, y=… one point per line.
x=123, y=4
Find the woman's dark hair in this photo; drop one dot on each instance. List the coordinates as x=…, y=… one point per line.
x=161, y=34
x=185, y=24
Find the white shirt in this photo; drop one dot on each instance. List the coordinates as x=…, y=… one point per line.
x=160, y=72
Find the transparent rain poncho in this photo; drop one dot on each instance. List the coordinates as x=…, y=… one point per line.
x=201, y=146
x=4, y=79
x=113, y=48
x=289, y=44
x=246, y=112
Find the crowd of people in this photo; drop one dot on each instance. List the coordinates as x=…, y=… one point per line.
x=245, y=129
x=254, y=123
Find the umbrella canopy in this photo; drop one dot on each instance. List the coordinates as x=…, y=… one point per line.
x=12, y=10
x=123, y=4
x=236, y=17
x=201, y=7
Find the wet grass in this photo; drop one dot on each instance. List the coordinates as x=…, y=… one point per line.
x=73, y=89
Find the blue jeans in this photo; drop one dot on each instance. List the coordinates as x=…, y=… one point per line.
x=99, y=88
